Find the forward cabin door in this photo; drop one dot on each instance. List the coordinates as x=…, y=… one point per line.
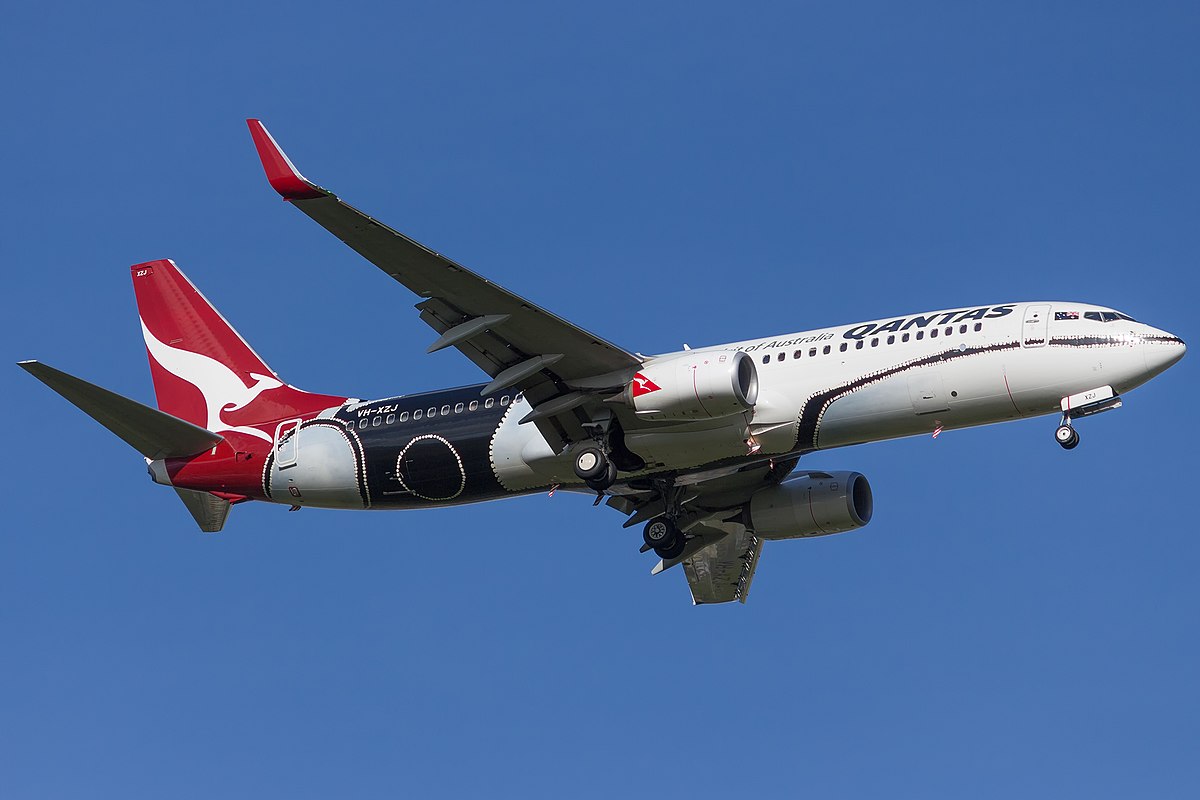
x=1034, y=330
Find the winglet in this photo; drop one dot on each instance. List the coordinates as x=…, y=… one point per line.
x=282, y=174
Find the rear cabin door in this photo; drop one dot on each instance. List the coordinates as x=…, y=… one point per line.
x=285, y=443
x=1033, y=332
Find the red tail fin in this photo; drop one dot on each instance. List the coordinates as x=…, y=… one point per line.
x=203, y=371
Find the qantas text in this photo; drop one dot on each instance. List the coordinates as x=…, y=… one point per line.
x=944, y=318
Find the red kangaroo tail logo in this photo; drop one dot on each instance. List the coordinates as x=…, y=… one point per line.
x=643, y=385
x=203, y=371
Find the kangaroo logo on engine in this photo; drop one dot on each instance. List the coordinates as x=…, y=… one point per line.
x=643, y=385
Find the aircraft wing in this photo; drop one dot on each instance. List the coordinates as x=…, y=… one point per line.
x=514, y=341
x=723, y=570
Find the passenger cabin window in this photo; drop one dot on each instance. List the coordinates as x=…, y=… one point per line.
x=362, y=424
x=891, y=340
x=504, y=400
x=431, y=412
x=875, y=342
x=404, y=416
x=767, y=358
x=417, y=414
x=797, y=354
x=949, y=329
x=962, y=328
x=474, y=405
x=812, y=351
x=978, y=327
x=826, y=350
x=445, y=410
x=780, y=356
x=904, y=338
x=458, y=407
x=933, y=333
x=391, y=418
x=858, y=345
x=843, y=347
x=920, y=335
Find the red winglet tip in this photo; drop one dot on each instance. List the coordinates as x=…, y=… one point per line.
x=281, y=173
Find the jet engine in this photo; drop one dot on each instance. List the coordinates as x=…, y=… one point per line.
x=817, y=504
x=693, y=386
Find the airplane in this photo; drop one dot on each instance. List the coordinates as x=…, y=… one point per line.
x=700, y=447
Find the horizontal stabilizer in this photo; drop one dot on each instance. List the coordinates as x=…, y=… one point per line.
x=209, y=510
x=151, y=432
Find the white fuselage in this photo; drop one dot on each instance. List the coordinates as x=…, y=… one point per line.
x=884, y=379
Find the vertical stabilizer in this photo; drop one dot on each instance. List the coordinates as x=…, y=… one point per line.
x=203, y=370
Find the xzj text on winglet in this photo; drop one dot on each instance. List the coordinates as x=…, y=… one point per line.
x=281, y=172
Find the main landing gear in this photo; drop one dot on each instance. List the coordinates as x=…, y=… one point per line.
x=664, y=537
x=595, y=468
x=662, y=534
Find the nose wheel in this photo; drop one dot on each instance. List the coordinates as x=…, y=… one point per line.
x=1067, y=436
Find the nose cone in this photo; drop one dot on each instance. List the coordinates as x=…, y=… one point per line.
x=1161, y=350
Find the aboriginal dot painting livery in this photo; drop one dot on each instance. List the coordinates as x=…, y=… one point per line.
x=700, y=448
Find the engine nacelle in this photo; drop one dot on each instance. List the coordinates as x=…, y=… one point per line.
x=811, y=506
x=703, y=385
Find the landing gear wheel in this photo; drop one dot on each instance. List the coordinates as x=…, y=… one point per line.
x=674, y=551
x=605, y=481
x=660, y=533
x=591, y=464
x=1067, y=437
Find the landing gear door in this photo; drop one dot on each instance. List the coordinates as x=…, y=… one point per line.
x=285, y=443
x=1034, y=329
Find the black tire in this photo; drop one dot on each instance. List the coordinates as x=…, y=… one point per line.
x=609, y=478
x=1067, y=437
x=591, y=464
x=660, y=533
x=674, y=551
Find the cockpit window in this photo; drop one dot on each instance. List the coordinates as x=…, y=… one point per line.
x=1107, y=316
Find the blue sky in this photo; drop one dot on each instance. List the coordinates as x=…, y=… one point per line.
x=1016, y=621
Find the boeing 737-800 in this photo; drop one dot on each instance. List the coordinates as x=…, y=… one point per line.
x=700, y=447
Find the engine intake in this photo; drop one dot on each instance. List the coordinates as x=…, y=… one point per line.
x=703, y=385
x=813, y=505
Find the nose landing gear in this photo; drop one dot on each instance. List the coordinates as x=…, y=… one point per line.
x=1066, y=435
x=1084, y=404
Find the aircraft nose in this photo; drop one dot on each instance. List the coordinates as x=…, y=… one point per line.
x=1162, y=350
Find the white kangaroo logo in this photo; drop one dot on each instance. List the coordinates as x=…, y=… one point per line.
x=223, y=390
